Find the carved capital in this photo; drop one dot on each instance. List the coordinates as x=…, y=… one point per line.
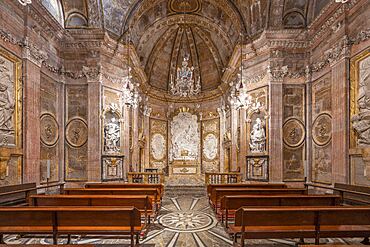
x=92, y=73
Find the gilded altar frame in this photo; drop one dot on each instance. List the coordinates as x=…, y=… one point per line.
x=14, y=151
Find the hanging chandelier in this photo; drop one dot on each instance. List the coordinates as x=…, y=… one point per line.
x=239, y=96
x=130, y=94
x=184, y=84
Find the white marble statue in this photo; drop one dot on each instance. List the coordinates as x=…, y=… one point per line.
x=258, y=137
x=112, y=136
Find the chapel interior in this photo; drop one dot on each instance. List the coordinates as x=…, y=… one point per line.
x=186, y=123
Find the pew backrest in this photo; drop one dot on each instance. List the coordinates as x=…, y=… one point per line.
x=221, y=192
x=160, y=187
x=140, y=202
x=212, y=187
x=237, y=201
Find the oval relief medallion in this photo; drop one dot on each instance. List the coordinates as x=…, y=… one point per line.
x=322, y=129
x=76, y=132
x=294, y=133
x=158, y=146
x=210, y=146
x=49, y=129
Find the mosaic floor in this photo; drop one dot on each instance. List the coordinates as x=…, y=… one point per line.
x=185, y=220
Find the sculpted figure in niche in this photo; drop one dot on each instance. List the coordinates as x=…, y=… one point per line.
x=361, y=121
x=258, y=137
x=112, y=136
x=6, y=103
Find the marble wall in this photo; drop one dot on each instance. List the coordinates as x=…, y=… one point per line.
x=81, y=121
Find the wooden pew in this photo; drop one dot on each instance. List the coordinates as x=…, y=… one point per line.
x=71, y=220
x=142, y=203
x=19, y=194
x=151, y=192
x=211, y=187
x=229, y=204
x=301, y=222
x=160, y=187
x=221, y=192
x=353, y=194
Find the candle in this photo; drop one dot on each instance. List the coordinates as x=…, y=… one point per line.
x=48, y=172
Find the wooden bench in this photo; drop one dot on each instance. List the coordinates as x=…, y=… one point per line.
x=211, y=187
x=160, y=187
x=301, y=222
x=19, y=194
x=229, y=204
x=71, y=220
x=142, y=203
x=221, y=192
x=153, y=193
x=353, y=194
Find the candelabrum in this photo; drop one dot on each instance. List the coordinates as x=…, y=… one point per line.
x=240, y=98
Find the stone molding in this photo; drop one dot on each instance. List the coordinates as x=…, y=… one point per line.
x=33, y=53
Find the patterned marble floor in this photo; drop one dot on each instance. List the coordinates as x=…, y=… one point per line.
x=185, y=220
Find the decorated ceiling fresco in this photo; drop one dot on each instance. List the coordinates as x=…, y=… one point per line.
x=164, y=32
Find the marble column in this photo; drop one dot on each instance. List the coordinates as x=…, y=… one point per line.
x=308, y=164
x=32, y=62
x=147, y=138
x=340, y=125
x=126, y=139
x=221, y=112
x=276, y=131
x=94, y=131
x=243, y=144
x=135, y=135
x=234, y=138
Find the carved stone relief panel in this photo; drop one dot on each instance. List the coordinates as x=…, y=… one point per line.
x=360, y=119
x=10, y=88
x=294, y=132
x=185, y=137
x=321, y=131
x=210, y=145
x=10, y=119
x=112, y=167
x=158, y=143
x=257, y=168
x=76, y=133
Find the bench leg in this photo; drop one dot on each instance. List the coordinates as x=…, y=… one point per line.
x=365, y=241
x=69, y=239
x=137, y=239
x=2, y=239
x=55, y=239
x=301, y=241
x=132, y=240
